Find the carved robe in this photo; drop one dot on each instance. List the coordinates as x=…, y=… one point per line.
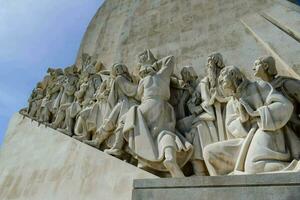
x=289, y=87
x=255, y=144
x=150, y=127
x=120, y=100
x=208, y=126
x=101, y=108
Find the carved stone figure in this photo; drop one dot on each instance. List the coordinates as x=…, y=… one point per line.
x=50, y=105
x=265, y=69
x=120, y=99
x=95, y=114
x=206, y=125
x=84, y=98
x=35, y=101
x=259, y=139
x=149, y=128
x=182, y=90
x=69, y=88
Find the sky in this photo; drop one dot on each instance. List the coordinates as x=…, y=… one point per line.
x=35, y=35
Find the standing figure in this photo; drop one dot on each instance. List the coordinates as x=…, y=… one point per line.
x=76, y=113
x=149, y=128
x=94, y=114
x=120, y=99
x=259, y=139
x=35, y=101
x=265, y=69
x=49, y=104
x=184, y=88
x=208, y=108
x=68, y=91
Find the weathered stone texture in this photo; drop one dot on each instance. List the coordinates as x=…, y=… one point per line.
x=189, y=30
x=41, y=163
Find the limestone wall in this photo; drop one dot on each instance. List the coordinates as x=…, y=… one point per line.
x=39, y=163
x=191, y=30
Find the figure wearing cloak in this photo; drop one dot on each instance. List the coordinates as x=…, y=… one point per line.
x=149, y=128
x=258, y=139
x=265, y=68
x=35, y=101
x=120, y=99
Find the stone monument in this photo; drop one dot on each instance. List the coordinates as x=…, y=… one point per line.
x=196, y=99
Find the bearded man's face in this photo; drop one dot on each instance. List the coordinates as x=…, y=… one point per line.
x=227, y=84
x=212, y=72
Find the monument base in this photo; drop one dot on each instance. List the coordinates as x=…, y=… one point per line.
x=39, y=163
x=246, y=187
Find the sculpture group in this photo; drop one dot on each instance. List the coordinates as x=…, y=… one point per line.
x=221, y=124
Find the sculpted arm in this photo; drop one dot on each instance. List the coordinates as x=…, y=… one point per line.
x=275, y=113
x=165, y=66
x=140, y=90
x=126, y=86
x=234, y=120
x=80, y=93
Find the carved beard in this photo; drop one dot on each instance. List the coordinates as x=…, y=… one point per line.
x=212, y=75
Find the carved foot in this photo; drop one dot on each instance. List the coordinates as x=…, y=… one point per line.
x=80, y=137
x=94, y=143
x=64, y=131
x=113, y=152
x=173, y=168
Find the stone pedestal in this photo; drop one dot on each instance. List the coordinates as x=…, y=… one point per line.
x=251, y=187
x=39, y=163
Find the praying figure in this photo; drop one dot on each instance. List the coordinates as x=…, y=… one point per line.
x=259, y=140
x=265, y=68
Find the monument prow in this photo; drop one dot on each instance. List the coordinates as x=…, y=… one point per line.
x=38, y=162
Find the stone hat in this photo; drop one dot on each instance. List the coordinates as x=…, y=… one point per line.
x=146, y=57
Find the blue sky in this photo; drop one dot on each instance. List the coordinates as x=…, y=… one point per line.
x=36, y=34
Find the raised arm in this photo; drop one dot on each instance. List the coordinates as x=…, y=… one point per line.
x=166, y=66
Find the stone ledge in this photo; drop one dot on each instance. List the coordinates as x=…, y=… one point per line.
x=265, y=186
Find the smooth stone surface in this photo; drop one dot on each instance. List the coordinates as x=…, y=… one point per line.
x=250, y=187
x=41, y=163
x=284, y=48
x=189, y=30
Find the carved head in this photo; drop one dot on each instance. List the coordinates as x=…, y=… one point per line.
x=230, y=79
x=188, y=74
x=265, y=68
x=119, y=69
x=146, y=70
x=99, y=66
x=39, y=85
x=51, y=71
x=59, y=72
x=214, y=65
x=146, y=57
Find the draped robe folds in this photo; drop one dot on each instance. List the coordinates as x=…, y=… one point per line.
x=121, y=98
x=290, y=88
x=150, y=127
x=208, y=127
x=258, y=144
x=101, y=108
